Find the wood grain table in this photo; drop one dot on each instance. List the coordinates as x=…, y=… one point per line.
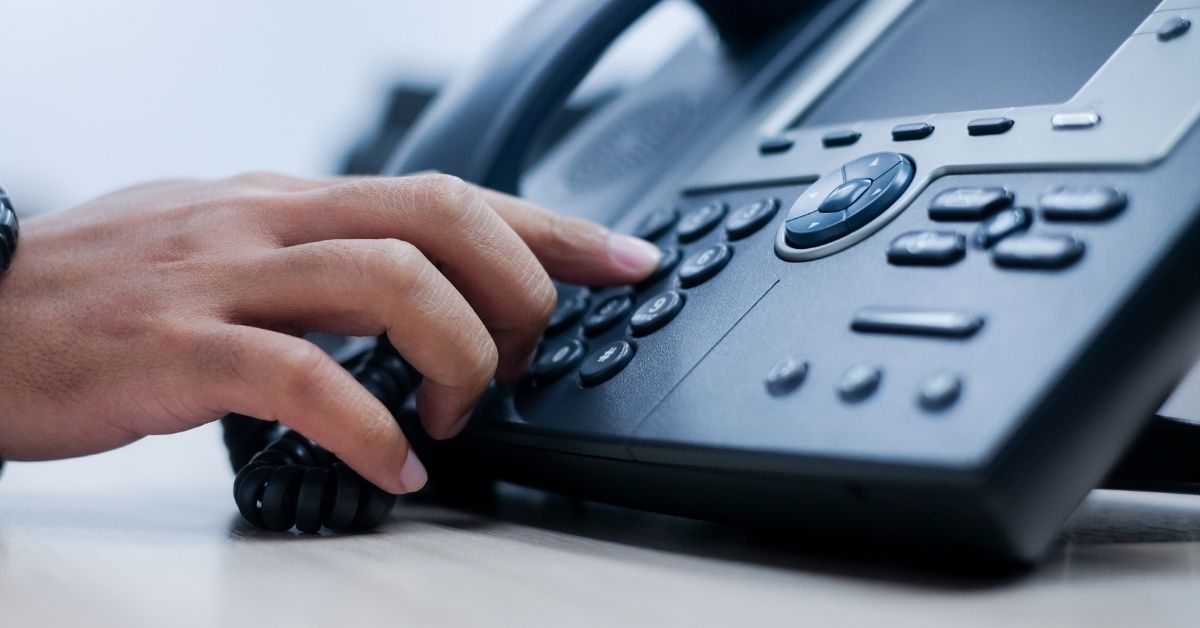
x=149, y=535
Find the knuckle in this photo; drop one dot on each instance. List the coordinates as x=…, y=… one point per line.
x=481, y=369
x=396, y=263
x=305, y=371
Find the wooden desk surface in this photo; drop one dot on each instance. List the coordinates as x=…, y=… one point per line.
x=149, y=536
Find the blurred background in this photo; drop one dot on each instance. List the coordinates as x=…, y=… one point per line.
x=99, y=95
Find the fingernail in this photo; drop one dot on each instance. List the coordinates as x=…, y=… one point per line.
x=634, y=254
x=413, y=475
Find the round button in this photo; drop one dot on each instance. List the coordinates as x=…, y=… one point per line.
x=815, y=229
x=657, y=223
x=847, y=198
x=569, y=309
x=750, y=217
x=606, y=314
x=939, y=391
x=666, y=265
x=704, y=265
x=655, y=313
x=699, y=221
x=884, y=191
x=557, y=362
x=786, y=376
x=859, y=382
x=606, y=362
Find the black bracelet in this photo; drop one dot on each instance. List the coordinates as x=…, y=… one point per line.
x=10, y=229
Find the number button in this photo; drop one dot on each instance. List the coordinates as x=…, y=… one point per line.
x=704, y=265
x=655, y=313
x=606, y=362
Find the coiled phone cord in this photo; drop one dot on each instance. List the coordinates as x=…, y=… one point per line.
x=285, y=480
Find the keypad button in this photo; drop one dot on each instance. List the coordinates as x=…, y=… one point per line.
x=1050, y=252
x=859, y=382
x=605, y=362
x=704, y=265
x=924, y=322
x=699, y=221
x=815, y=229
x=844, y=195
x=751, y=217
x=557, y=361
x=786, y=376
x=939, y=391
x=571, y=306
x=841, y=137
x=969, y=203
x=927, y=248
x=909, y=132
x=871, y=166
x=989, y=126
x=606, y=314
x=1002, y=224
x=1173, y=28
x=1081, y=204
x=655, y=313
x=666, y=265
x=775, y=144
x=658, y=222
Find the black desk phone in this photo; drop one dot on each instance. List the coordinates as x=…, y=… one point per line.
x=931, y=267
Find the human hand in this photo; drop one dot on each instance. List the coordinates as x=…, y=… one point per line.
x=165, y=306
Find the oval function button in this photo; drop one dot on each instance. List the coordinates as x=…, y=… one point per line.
x=751, y=217
x=989, y=126
x=1002, y=224
x=1173, y=28
x=1081, y=204
x=859, y=382
x=786, y=376
x=939, y=391
x=655, y=313
x=699, y=221
x=557, y=362
x=704, y=265
x=605, y=362
x=909, y=132
x=606, y=314
x=840, y=137
x=1047, y=252
x=969, y=203
x=775, y=144
x=946, y=323
x=927, y=248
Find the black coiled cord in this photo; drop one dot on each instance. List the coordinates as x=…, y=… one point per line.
x=285, y=480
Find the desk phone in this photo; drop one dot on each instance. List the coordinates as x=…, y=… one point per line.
x=930, y=268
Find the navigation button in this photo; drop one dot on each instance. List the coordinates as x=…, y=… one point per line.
x=921, y=322
x=655, y=313
x=815, y=229
x=557, y=362
x=699, y=221
x=989, y=126
x=1002, y=224
x=750, y=217
x=909, y=132
x=843, y=137
x=1049, y=252
x=1081, y=204
x=927, y=248
x=844, y=195
x=704, y=265
x=872, y=166
x=969, y=203
x=883, y=192
x=810, y=199
x=606, y=362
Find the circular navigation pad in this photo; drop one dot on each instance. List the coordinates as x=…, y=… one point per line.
x=846, y=199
